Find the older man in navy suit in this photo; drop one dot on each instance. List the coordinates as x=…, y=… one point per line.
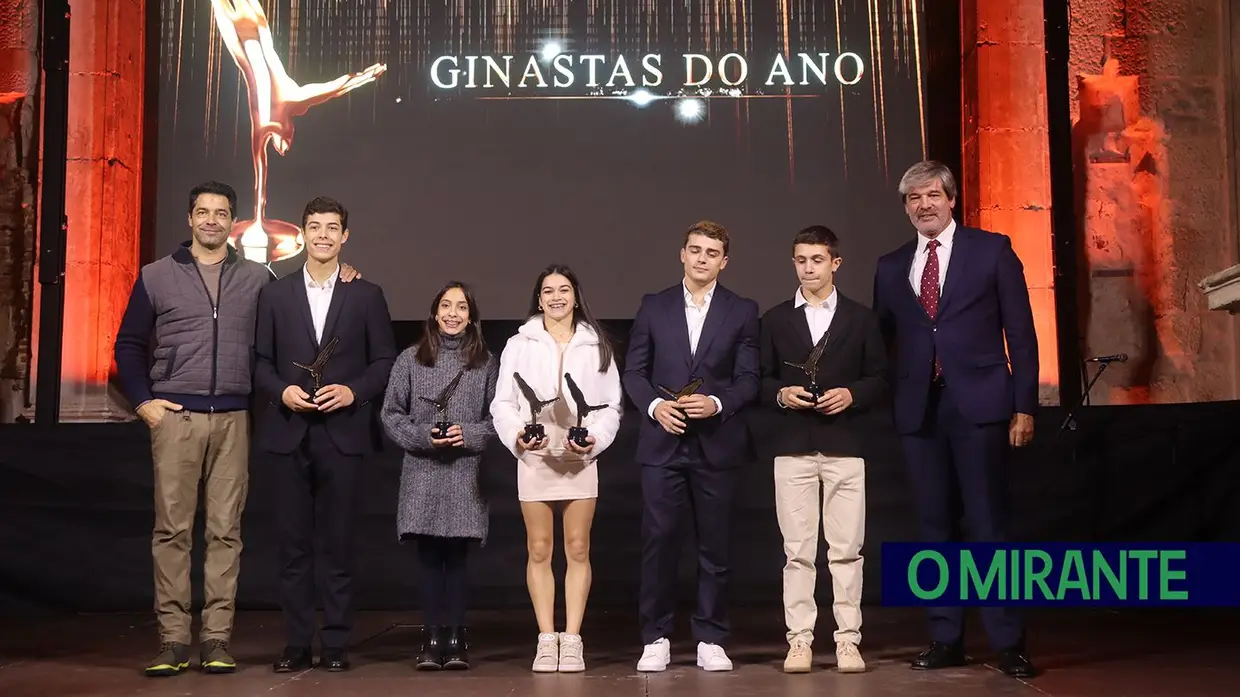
x=692, y=366
x=954, y=301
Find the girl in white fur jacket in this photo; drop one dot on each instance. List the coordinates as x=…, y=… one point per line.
x=560, y=346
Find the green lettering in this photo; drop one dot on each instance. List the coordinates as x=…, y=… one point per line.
x=970, y=578
x=1074, y=565
x=1039, y=576
x=915, y=586
x=1165, y=574
x=1102, y=566
x=1143, y=576
x=1015, y=593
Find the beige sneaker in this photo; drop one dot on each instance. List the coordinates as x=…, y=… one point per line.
x=547, y=656
x=800, y=657
x=848, y=658
x=571, y=659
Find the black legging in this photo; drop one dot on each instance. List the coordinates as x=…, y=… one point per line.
x=443, y=579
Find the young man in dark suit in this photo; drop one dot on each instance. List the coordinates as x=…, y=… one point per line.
x=324, y=351
x=691, y=445
x=954, y=301
x=816, y=422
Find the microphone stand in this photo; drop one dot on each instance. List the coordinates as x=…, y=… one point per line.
x=1069, y=423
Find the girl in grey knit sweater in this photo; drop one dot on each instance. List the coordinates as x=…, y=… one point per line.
x=440, y=507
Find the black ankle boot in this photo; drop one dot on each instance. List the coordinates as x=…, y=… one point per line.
x=432, y=649
x=456, y=649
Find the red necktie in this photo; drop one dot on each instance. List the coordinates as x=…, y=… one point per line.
x=930, y=290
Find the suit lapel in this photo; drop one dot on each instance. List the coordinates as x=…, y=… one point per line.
x=956, y=266
x=303, y=303
x=840, y=324
x=678, y=323
x=720, y=306
x=906, y=286
x=800, y=328
x=339, y=293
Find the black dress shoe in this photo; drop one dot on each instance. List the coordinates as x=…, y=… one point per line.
x=939, y=655
x=1014, y=663
x=456, y=649
x=334, y=660
x=432, y=649
x=293, y=659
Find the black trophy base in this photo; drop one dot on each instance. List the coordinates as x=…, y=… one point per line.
x=578, y=435
x=534, y=432
x=440, y=429
x=815, y=393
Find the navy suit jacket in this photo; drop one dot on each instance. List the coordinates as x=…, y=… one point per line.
x=726, y=359
x=362, y=361
x=984, y=301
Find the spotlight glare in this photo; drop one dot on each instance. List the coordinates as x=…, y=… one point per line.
x=550, y=50
x=641, y=97
x=690, y=110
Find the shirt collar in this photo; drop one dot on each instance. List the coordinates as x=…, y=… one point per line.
x=945, y=238
x=326, y=285
x=798, y=299
x=710, y=293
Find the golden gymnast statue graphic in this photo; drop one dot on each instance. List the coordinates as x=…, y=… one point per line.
x=274, y=100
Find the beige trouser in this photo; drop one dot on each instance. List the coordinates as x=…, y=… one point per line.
x=189, y=448
x=798, y=480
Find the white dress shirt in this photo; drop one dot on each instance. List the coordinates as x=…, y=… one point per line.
x=920, y=257
x=320, y=297
x=817, y=317
x=695, y=317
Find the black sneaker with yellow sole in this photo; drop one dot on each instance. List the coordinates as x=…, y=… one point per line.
x=215, y=658
x=173, y=659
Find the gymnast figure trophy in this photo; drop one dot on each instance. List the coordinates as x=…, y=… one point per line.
x=440, y=429
x=274, y=100
x=579, y=433
x=320, y=363
x=810, y=367
x=682, y=392
x=533, y=430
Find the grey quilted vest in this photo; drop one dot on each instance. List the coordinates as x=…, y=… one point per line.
x=200, y=349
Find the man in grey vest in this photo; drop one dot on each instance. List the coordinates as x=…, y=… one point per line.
x=184, y=353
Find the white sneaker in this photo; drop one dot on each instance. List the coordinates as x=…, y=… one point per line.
x=656, y=656
x=848, y=658
x=712, y=657
x=800, y=658
x=571, y=658
x=547, y=656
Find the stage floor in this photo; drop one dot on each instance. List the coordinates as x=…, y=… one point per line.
x=1082, y=653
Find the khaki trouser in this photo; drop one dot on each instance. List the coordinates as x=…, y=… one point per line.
x=841, y=480
x=189, y=448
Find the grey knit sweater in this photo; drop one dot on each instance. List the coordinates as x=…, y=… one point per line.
x=439, y=493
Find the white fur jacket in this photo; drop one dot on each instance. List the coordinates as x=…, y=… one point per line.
x=533, y=353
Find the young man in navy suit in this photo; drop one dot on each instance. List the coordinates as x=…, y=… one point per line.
x=316, y=435
x=952, y=299
x=691, y=445
x=817, y=445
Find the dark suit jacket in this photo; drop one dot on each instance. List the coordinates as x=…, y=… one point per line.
x=363, y=358
x=984, y=301
x=726, y=360
x=855, y=358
